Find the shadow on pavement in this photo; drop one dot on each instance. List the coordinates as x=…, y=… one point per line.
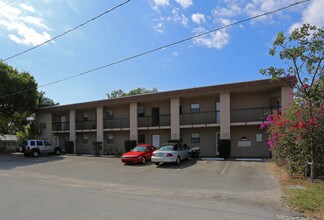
x=11, y=161
x=184, y=164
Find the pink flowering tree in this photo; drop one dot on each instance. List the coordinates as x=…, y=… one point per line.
x=297, y=135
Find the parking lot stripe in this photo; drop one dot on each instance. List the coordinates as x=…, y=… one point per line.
x=225, y=167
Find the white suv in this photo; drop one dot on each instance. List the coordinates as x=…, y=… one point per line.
x=36, y=147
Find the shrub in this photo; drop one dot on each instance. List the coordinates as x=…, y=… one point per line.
x=69, y=147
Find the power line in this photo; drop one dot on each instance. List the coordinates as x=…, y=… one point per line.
x=66, y=32
x=8, y=3
x=160, y=48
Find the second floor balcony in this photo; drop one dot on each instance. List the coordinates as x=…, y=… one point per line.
x=245, y=115
x=154, y=121
x=200, y=118
x=86, y=125
x=117, y=123
x=61, y=126
x=240, y=116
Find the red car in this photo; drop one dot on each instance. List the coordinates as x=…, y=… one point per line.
x=140, y=154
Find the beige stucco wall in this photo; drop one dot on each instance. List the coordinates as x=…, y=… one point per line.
x=119, y=140
x=86, y=148
x=62, y=138
x=91, y=114
x=207, y=139
x=206, y=103
x=225, y=115
x=56, y=116
x=72, y=128
x=118, y=111
x=46, y=118
x=164, y=135
x=133, y=121
x=286, y=96
x=163, y=105
x=257, y=149
x=175, y=119
x=100, y=124
x=250, y=100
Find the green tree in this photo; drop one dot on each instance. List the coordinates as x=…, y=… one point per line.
x=120, y=93
x=43, y=101
x=16, y=107
x=116, y=94
x=303, y=51
x=30, y=131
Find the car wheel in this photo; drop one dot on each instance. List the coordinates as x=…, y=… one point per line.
x=57, y=151
x=143, y=160
x=156, y=163
x=178, y=160
x=35, y=153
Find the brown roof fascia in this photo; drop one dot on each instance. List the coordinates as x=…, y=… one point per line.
x=170, y=94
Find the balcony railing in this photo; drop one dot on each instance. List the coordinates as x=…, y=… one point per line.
x=209, y=117
x=151, y=121
x=86, y=125
x=250, y=114
x=116, y=123
x=60, y=126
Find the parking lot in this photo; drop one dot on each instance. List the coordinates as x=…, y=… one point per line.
x=230, y=183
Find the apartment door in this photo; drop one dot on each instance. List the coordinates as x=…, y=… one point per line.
x=56, y=141
x=217, y=139
x=63, y=124
x=155, y=117
x=156, y=140
x=217, y=112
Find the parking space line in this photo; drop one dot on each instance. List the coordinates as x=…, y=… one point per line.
x=225, y=167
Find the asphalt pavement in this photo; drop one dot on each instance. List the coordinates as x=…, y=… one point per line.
x=73, y=187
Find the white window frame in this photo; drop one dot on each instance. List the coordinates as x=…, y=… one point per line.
x=195, y=108
x=195, y=137
x=139, y=111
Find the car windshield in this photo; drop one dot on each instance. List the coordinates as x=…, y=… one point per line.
x=166, y=148
x=139, y=149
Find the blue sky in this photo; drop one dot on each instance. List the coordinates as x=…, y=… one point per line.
x=230, y=55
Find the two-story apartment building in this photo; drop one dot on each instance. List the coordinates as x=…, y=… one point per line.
x=196, y=116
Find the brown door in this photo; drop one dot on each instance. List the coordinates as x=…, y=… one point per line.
x=155, y=117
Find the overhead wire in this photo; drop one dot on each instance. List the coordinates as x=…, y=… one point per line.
x=162, y=47
x=68, y=31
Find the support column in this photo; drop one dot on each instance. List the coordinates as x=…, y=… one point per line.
x=286, y=96
x=72, y=129
x=133, y=133
x=100, y=132
x=175, y=119
x=225, y=116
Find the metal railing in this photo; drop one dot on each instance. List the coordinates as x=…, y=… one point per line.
x=60, y=126
x=86, y=125
x=250, y=114
x=208, y=117
x=149, y=121
x=116, y=123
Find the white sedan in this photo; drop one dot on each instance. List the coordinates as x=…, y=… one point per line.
x=170, y=153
